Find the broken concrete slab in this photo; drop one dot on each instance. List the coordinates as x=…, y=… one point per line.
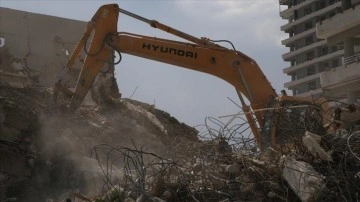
x=312, y=143
x=302, y=178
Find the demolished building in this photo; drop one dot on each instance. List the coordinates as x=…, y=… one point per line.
x=35, y=47
x=33, y=56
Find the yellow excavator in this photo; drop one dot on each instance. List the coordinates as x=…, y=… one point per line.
x=267, y=110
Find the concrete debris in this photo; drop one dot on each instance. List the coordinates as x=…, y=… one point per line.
x=146, y=114
x=67, y=150
x=16, y=80
x=302, y=178
x=125, y=150
x=311, y=141
x=114, y=149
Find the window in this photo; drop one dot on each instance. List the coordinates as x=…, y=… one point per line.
x=291, y=33
x=294, y=77
x=335, y=63
x=322, y=4
x=320, y=18
x=310, y=70
x=331, y=2
x=324, y=66
x=295, y=91
x=309, y=55
x=295, y=15
x=309, y=40
x=307, y=11
x=324, y=51
x=312, y=85
x=292, y=48
x=308, y=25
x=334, y=48
x=295, y=2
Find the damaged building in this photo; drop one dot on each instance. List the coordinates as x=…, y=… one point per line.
x=323, y=47
x=35, y=49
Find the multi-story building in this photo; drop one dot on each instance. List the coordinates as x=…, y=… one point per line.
x=308, y=55
x=343, y=28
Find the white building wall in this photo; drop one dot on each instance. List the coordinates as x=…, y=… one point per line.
x=36, y=45
x=34, y=50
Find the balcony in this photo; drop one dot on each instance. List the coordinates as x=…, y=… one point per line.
x=303, y=80
x=289, y=12
x=311, y=16
x=291, y=69
x=340, y=26
x=311, y=93
x=284, y=2
x=298, y=36
x=294, y=53
x=351, y=59
x=336, y=83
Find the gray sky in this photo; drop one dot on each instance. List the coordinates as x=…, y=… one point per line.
x=253, y=26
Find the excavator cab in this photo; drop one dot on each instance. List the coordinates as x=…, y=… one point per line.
x=288, y=118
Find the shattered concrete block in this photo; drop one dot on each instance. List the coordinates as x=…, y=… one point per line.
x=302, y=179
x=314, y=136
x=311, y=141
x=151, y=117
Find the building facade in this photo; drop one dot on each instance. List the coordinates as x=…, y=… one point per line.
x=308, y=55
x=343, y=28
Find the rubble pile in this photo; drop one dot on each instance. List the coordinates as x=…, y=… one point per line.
x=131, y=151
x=55, y=151
x=221, y=171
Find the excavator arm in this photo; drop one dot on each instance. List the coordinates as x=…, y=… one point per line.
x=200, y=55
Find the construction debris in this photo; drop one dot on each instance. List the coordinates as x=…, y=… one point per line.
x=131, y=151
x=302, y=178
x=312, y=143
x=114, y=149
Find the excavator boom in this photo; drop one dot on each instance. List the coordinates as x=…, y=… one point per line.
x=199, y=54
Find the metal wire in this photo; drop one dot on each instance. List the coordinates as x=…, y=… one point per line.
x=199, y=171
